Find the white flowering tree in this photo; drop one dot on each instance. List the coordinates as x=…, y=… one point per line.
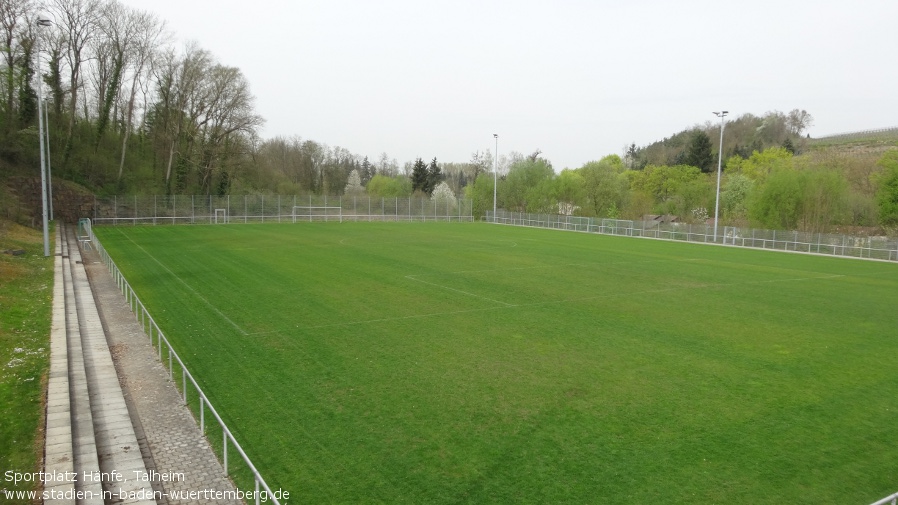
x=443, y=195
x=354, y=185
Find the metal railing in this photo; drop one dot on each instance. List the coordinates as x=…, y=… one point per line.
x=878, y=248
x=888, y=500
x=205, y=209
x=150, y=327
x=860, y=134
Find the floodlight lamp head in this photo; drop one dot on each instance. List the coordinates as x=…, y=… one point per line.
x=43, y=22
x=495, y=135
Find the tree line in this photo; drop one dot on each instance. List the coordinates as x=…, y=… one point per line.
x=817, y=191
x=126, y=109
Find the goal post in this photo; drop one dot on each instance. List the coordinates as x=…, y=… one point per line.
x=317, y=213
x=221, y=216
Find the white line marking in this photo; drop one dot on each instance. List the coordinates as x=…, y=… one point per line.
x=537, y=304
x=412, y=277
x=177, y=278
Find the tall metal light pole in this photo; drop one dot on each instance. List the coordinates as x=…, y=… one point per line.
x=495, y=175
x=40, y=123
x=49, y=164
x=721, y=115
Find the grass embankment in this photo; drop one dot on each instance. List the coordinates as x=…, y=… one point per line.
x=447, y=363
x=26, y=298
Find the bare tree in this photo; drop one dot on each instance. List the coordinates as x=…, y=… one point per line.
x=14, y=18
x=229, y=112
x=78, y=21
x=110, y=48
x=182, y=99
x=147, y=36
x=798, y=121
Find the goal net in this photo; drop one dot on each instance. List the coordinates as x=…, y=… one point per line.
x=317, y=213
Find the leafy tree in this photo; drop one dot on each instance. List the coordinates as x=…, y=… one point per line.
x=662, y=182
x=887, y=191
x=824, y=199
x=525, y=188
x=419, y=176
x=692, y=199
x=604, y=185
x=800, y=200
x=734, y=198
x=698, y=154
x=389, y=187
x=569, y=192
x=481, y=194
x=760, y=164
x=777, y=205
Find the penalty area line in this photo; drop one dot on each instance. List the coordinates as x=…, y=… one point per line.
x=412, y=277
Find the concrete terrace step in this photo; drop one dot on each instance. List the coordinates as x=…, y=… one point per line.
x=83, y=439
x=89, y=430
x=116, y=442
x=58, y=451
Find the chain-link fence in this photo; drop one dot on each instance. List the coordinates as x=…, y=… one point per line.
x=880, y=247
x=174, y=209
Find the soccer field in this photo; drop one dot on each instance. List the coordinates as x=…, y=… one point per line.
x=476, y=363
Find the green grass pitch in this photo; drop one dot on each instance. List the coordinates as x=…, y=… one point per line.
x=474, y=363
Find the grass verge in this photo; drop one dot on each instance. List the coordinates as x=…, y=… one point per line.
x=26, y=297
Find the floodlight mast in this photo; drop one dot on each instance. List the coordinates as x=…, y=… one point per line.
x=40, y=122
x=721, y=115
x=495, y=175
x=49, y=161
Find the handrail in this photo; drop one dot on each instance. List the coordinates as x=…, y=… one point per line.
x=871, y=248
x=144, y=317
x=891, y=500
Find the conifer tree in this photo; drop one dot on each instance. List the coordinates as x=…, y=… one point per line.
x=698, y=154
x=419, y=176
x=434, y=176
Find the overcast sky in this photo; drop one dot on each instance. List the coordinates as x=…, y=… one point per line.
x=576, y=79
